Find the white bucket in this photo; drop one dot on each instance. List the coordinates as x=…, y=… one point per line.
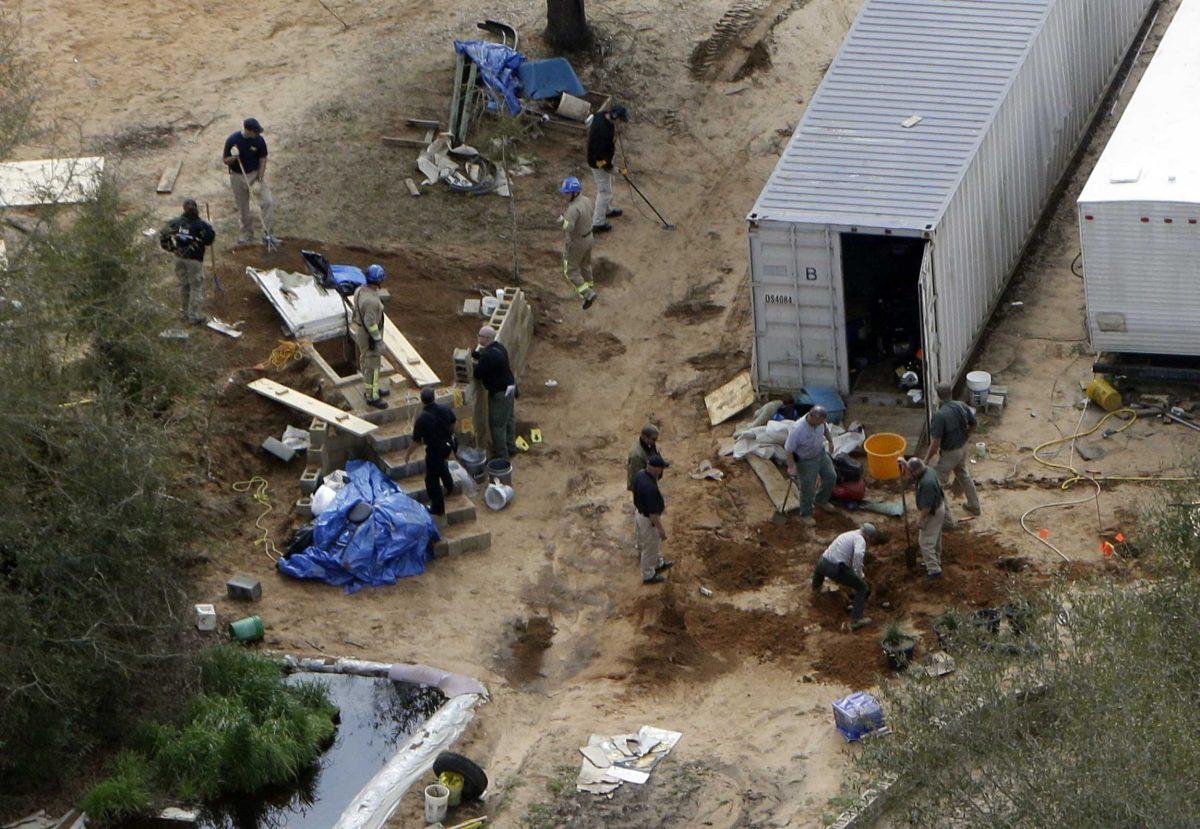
x=497, y=496
x=979, y=383
x=574, y=108
x=436, y=798
x=490, y=304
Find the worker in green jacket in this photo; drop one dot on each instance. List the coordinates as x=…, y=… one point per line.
x=367, y=330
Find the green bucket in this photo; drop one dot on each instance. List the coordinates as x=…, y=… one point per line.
x=249, y=629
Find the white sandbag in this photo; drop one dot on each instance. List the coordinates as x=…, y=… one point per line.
x=322, y=499
x=463, y=482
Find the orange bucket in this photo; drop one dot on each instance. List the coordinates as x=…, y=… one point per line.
x=883, y=455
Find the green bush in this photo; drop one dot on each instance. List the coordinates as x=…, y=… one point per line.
x=247, y=730
x=125, y=794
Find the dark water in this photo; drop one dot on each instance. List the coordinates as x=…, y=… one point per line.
x=376, y=717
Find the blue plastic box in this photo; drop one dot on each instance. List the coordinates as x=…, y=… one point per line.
x=857, y=715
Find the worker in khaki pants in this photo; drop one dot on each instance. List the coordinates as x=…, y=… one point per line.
x=246, y=157
x=932, y=517
x=367, y=331
x=649, y=533
x=577, y=244
x=949, y=429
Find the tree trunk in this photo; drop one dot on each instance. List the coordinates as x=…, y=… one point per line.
x=566, y=26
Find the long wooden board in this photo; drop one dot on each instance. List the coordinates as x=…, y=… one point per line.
x=167, y=183
x=775, y=483
x=731, y=398
x=311, y=406
x=406, y=358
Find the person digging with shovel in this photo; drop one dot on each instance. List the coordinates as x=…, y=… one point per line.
x=246, y=157
x=842, y=563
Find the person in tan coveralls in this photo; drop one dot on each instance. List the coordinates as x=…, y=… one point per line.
x=367, y=331
x=577, y=244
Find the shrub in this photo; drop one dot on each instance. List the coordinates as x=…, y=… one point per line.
x=125, y=794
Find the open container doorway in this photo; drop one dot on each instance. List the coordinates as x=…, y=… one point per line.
x=883, y=328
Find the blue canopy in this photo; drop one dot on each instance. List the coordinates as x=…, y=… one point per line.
x=498, y=65
x=542, y=79
x=395, y=540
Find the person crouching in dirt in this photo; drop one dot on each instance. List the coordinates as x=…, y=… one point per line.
x=649, y=533
x=434, y=428
x=367, y=330
x=808, y=460
x=577, y=240
x=949, y=429
x=187, y=236
x=932, y=518
x=842, y=562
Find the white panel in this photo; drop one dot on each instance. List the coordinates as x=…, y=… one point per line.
x=797, y=308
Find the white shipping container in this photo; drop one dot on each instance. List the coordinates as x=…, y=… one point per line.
x=1138, y=211
x=907, y=193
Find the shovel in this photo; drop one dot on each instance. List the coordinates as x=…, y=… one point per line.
x=780, y=516
x=910, y=549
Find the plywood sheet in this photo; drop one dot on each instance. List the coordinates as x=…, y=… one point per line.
x=731, y=398
x=776, y=484
x=50, y=181
x=406, y=358
x=311, y=406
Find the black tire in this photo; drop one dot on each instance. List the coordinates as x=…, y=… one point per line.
x=475, y=781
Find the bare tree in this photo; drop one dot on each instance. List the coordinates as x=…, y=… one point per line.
x=567, y=28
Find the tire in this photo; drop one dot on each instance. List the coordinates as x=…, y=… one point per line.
x=475, y=781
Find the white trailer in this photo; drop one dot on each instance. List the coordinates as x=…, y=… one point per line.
x=1138, y=211
x=907, y=193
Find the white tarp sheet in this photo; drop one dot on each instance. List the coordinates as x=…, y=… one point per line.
x=308, y=311
x=50, y=181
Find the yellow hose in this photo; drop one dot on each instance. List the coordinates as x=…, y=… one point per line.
x=284, y=353
x=261, y=496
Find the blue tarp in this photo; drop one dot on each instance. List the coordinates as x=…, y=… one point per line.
x=347, y=275
x=498, y=65
x=394, y=542
x=542, y=79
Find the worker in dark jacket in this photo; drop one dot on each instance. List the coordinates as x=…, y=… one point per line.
x=649, y=533
x=434, y=429
x=493, y=371
x=647, y=445
x=601, y=146
x=187, y=236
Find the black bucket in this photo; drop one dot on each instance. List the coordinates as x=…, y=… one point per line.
x=500, y=469
x=473, y=460
x=900, y=655
x=987, y=619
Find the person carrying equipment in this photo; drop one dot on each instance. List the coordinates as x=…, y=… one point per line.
x=434, y=428
x=601, y=146
x=842, y=563
x=577, y=240
x=187, y=236
x=246, y=157
x=367, y=330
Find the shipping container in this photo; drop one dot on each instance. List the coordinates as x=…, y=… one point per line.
x=1139, y=210
x=921, y=167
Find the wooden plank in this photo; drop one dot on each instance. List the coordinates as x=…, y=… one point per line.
x=311, y=406
x=400, y=141
x=167, y=183
x=406, y=358
x=775, y=483
x=436, y=126
x=731, y=398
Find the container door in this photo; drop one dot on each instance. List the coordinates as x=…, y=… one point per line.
x=929, y=330
x=797, y=308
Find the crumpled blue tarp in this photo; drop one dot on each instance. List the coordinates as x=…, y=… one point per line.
x=542, y=79
x=394, y=542
x=347, y=278
x=498, y=65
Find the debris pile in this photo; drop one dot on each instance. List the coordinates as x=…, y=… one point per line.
x=622, y=758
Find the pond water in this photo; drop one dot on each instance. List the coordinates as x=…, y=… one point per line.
x=377, y=715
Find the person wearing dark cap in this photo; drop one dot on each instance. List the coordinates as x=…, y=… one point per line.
x=187, y=236
x=842, y=563
x=649, y=533
x=434, y=429
x=601, y=147
x=647, y=445
x=246, y=157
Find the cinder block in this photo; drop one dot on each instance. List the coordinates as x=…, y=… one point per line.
x=318, y=431
x=274, y=446
x=310, y=479
x=472, y=307
x=245, y=588
x=303, y=507
x=994, y=405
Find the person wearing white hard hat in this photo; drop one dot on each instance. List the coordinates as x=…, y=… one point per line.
x=577, y=241
x=842, y=563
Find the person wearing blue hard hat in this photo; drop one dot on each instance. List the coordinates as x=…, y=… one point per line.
x=366, y=327
x=601, y=147
x=577, y=244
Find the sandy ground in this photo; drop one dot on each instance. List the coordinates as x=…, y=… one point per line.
x=553, y=618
